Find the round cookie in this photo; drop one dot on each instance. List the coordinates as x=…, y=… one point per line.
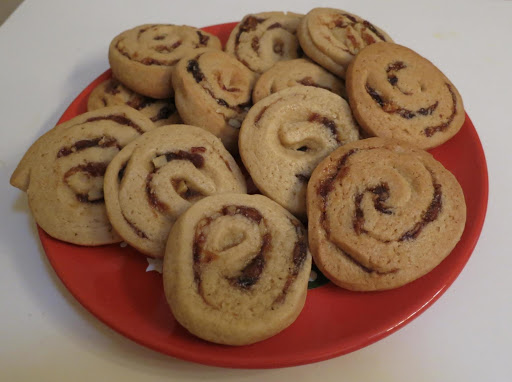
x=213, y=91
x=396, y=93
x=382, y=213
x=332, y=37
x=113, y=93
x=152, y=181
x=285, y=136
x=63, y=171
x=143, y=58
x=236, y=269
x=285, y=74
x=262, y=39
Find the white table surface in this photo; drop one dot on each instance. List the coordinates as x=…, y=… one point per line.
x=50, y=50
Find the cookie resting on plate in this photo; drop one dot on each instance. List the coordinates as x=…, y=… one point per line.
x=63, y=171
x=382, y=213
x=152, y=181
x=236, y=269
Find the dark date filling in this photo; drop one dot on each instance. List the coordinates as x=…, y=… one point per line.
x=428, y=216
x=180, y=185
x=249, y=24
x=139, y=102
x=113, y=87
x=134, y=228
x=309, y=81
x=148, y=60
x=167, y=48
x=431, y=130
x=87, y=143
x=328, y=123
x=314, y=117
x=391, y=71
x=251, y=272
x=164, y=113
x=202, y=41
x=368, y=39
x=391, y=108
x=119, y=119
x=91, y=169
x=300, y=251
x=380, y=194
x=196, y=72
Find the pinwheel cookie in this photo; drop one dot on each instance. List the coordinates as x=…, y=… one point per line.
x=332, y=37
x=285, y=136
x=285, y=74
x=112, y=93
x=262, y=39
x=63, y=172
x=382, y=214
x=154, y=179
x=396, y=93
x=236, y=269
x=213, y=91
x=143, y=58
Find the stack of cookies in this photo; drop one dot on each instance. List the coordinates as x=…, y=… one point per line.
x=323, y=113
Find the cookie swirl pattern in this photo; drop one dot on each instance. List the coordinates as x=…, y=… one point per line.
x=236, y=269
x=295, y=129
x=213, y=91
x=381, y=214
x=151, y=182
x=396, y=93
x=63, y=173
x=298, y=72
x=143, y=58
x=332, y=37
x=113, y=93
x=262, y=39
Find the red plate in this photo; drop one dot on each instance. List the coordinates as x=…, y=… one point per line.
x=111, y=282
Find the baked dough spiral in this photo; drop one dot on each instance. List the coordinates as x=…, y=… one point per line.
x=236, y=269
x=298, y=72
x=262, y=39
x=63, y=173
x=213, y=91
x=113, y=93
x=286, y=134
x=332, y=37
x=151, y=182
x=396, y=93
x=143, y=58
x=381, y=214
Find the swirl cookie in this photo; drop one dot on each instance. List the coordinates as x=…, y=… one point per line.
x=62, y=173
x=381, y=214
x=143, y=58
x=236, y=269
x=285, y=74
x=152, y=181
x=285, y=136
x=113, y=93
x=213, y=91
x=262, y=39
x=396, y=93
x=332, y=37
